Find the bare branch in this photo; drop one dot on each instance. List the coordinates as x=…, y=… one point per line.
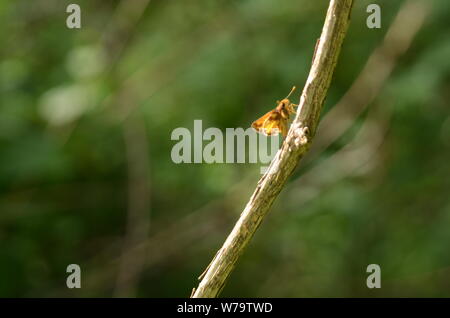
x=292, y=150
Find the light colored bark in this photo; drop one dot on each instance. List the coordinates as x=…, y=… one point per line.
x=294, y=147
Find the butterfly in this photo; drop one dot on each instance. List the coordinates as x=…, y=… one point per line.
x=276, y=120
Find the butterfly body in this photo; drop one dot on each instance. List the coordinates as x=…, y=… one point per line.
x=275, y=121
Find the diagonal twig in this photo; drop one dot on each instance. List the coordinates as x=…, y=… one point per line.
x=296, y=144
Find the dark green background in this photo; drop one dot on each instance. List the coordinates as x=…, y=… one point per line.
x=86, y=117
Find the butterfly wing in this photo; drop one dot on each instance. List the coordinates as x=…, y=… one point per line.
x=271, y=128
x=270, y=124
x=258, y=124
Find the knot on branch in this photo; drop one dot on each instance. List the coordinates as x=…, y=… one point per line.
x=300, y=136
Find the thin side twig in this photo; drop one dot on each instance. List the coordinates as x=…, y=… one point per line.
x=132, y=259
x=296, y=144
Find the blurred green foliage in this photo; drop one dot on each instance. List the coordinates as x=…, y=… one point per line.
x=67, y=96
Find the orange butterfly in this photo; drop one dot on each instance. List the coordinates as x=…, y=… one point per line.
x=276, y=120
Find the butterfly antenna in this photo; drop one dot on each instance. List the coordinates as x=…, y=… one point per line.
x=292, y=90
